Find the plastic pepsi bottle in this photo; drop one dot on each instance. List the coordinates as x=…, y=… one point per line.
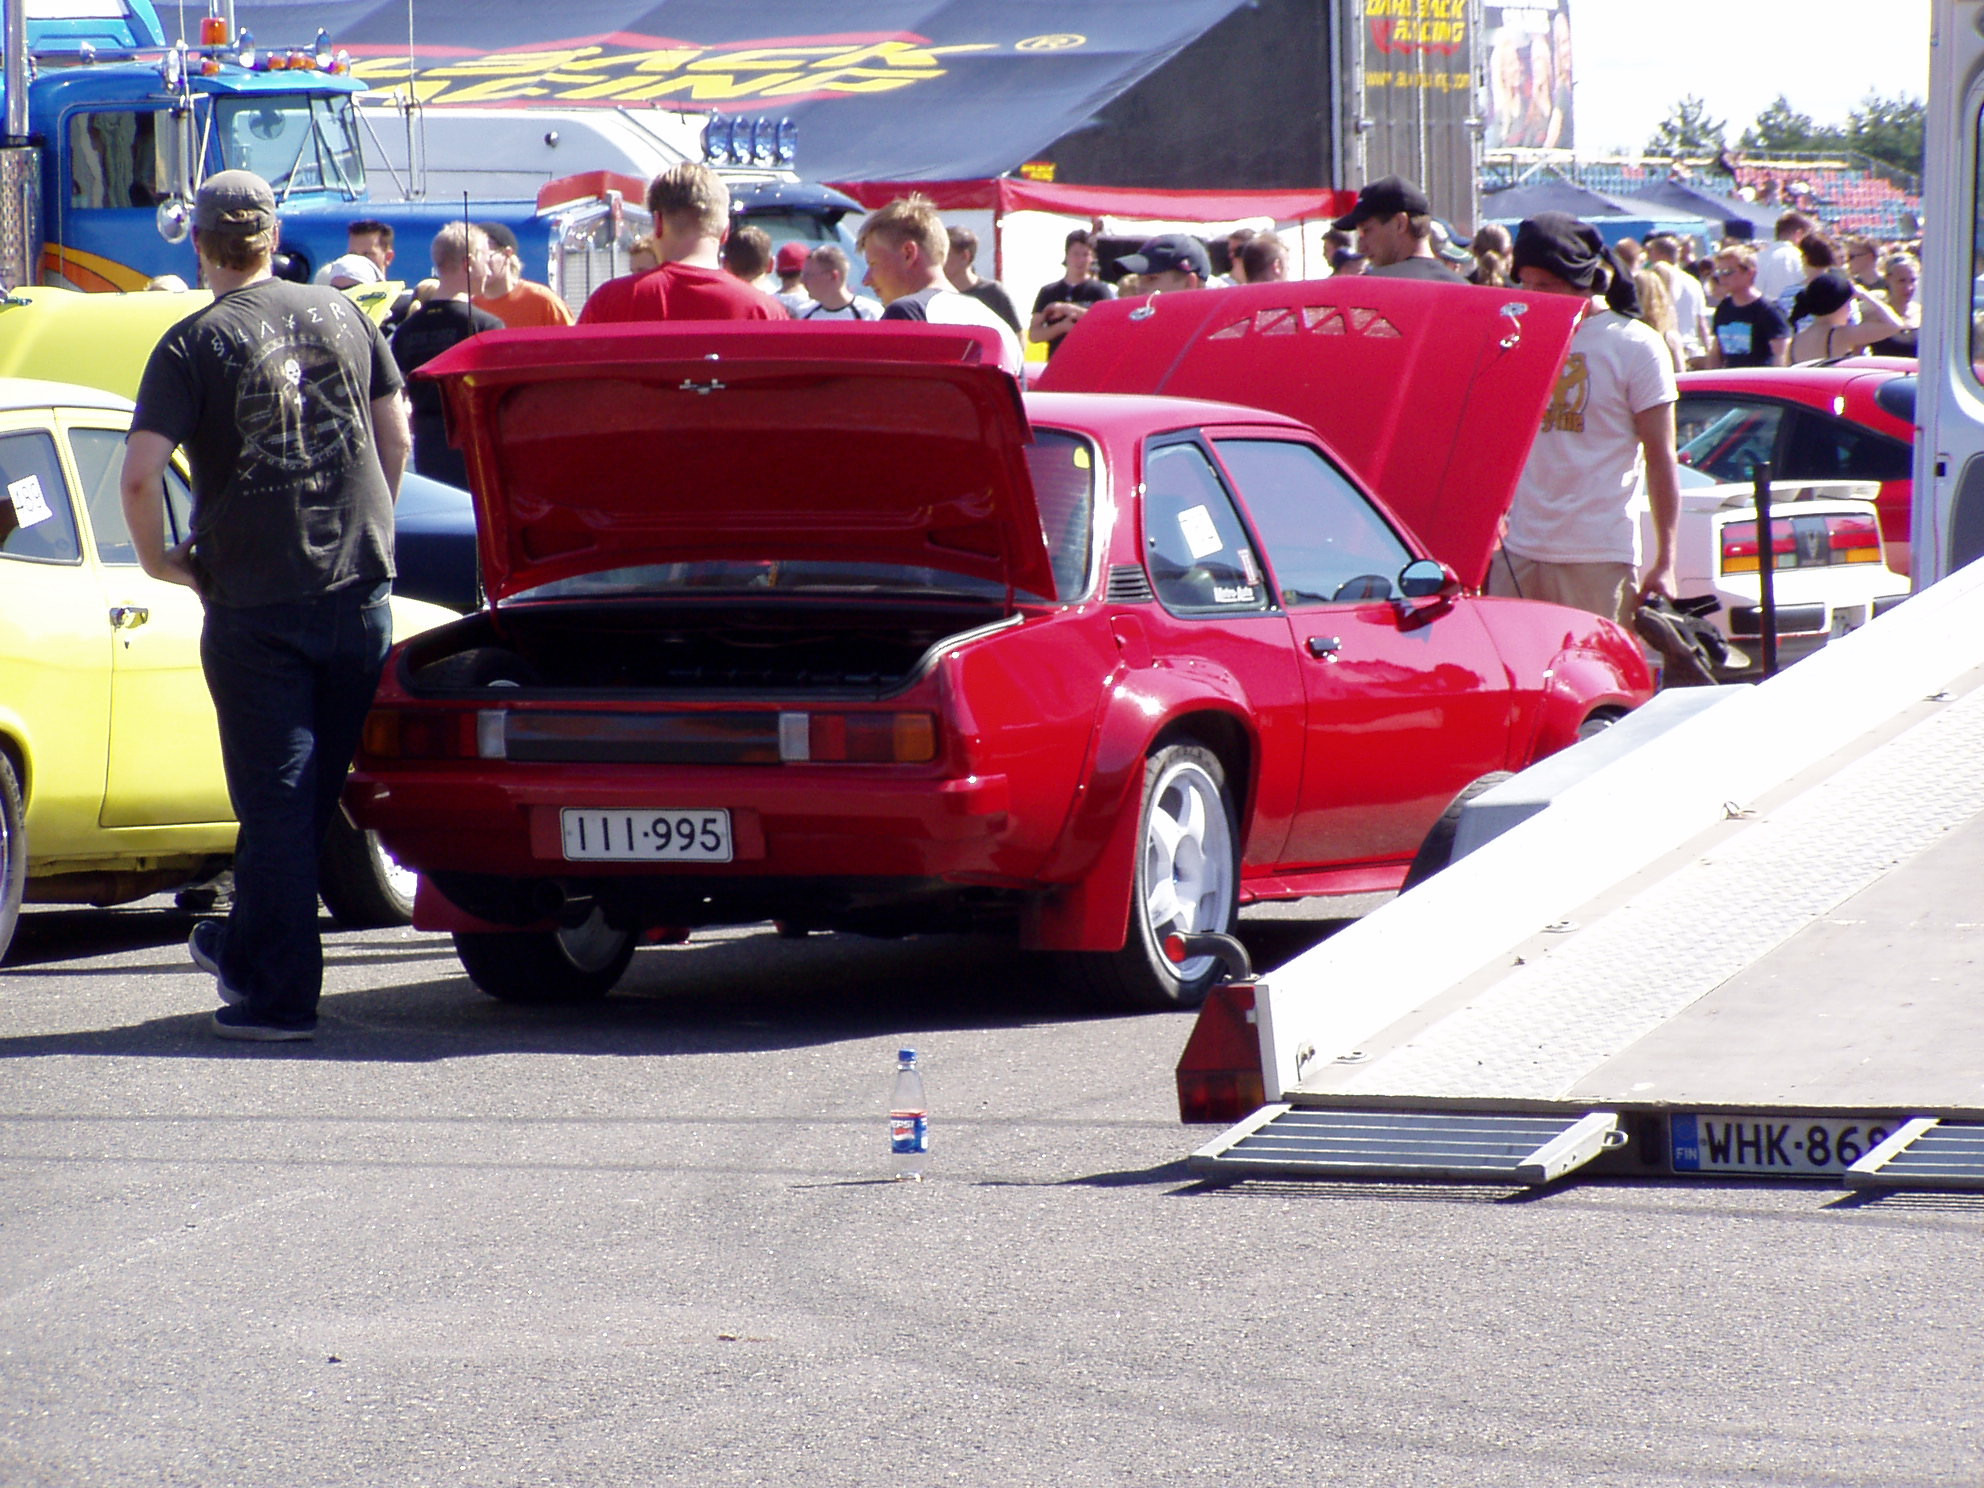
x=909, y=1118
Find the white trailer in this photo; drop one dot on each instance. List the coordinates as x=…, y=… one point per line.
x=1740, y=935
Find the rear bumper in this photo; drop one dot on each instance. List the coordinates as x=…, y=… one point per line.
x=815, y=823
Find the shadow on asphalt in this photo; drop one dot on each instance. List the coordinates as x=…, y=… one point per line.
x=723, y=992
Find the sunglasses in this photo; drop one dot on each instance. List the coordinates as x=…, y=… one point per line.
x=1731, y=273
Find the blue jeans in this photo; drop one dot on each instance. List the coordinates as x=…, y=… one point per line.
x=291, y=684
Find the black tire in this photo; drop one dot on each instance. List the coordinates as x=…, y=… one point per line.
x=361, y=884
x=547, y=967
x=13, y=853
x=1184, y=785
x=1438, y=849
x=1598, y=723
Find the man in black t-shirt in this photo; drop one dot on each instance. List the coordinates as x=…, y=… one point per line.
x=1749, y=330
x=1394, y=226
x=287, y=403
x=1073, y=293
x=461, y=253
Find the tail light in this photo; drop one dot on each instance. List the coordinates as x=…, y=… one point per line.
x=858, y=738
x=1854, y=539
x=427, y=733
x=1816, y=541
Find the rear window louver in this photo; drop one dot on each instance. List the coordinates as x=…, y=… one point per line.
x=1128, y=584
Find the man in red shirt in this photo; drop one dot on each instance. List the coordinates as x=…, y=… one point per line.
x=691, y=208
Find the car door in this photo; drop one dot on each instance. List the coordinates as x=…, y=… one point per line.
x=1220, y=616
x=54, y=642
x=162, y=765
x=1403, y=706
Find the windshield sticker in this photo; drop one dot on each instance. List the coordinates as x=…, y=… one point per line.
x=1249, y=567
x=1232, y=594
x=30, y=506
x=1195, y=523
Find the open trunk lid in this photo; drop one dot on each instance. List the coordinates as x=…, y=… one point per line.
x=615, y=447
x=1432, y=393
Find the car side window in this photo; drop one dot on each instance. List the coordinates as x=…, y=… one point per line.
x=37, y=519
x=1200, y=557
x=1063, y=473
x=1724, y=437
x=1824, y=448
x=99, y=456
x=1325, y=542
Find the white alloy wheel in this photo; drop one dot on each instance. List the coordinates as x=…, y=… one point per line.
x=1187, y=873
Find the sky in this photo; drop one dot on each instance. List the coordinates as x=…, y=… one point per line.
x=1635, y=61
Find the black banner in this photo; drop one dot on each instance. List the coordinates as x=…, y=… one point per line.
x=897, y=90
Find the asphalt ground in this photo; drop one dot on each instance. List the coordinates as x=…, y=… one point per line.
x=653, y=1242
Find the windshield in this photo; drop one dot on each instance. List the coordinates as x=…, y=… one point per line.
x=293, y=141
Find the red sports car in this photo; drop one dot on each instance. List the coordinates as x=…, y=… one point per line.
x=833, y=626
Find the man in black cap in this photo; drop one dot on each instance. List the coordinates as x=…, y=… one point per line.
x=287, y=402
x=1606, y=448
x=1168, y=263
x=1394, y=226
x=1165, y=264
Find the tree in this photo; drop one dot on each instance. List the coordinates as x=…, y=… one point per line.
x=1889, y=129
x=1781, y=128
x=1688, y=130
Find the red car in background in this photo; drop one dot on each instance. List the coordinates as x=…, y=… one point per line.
x=1848, y=420
x=832, y=625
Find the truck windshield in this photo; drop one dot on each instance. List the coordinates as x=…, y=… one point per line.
x=294, y=142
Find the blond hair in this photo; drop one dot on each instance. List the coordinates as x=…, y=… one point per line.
x=455, y=242
x=908, y=219
x=691, y=195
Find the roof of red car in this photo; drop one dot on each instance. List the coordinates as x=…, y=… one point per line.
x=1810, y=382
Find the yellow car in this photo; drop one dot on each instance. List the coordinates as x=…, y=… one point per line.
x=110, y=776
x=104, y=340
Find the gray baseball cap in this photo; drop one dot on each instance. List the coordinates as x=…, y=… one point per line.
x=235, y=201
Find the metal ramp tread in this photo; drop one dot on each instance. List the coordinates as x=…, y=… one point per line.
x=1455, y=1146
x=1924, y=1153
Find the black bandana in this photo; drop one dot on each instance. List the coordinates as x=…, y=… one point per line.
x=1559, y=244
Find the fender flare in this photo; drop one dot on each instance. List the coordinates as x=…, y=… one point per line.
x=1093, y=866
x=1579, y=683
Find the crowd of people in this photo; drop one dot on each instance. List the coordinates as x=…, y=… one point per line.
x=1804, y=296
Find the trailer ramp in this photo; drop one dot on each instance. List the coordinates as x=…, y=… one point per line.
x=1437, y=1146
x=1754, y=946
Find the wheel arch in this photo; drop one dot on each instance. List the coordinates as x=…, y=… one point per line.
x=1579, y=685
x=1093, y=869
x=13, y=744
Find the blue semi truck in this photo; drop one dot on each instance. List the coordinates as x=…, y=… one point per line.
x=111, y=125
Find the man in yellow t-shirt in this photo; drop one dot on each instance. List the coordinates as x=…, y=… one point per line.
x=507, y=295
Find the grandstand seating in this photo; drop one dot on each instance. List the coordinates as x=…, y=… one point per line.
x=1845, y=197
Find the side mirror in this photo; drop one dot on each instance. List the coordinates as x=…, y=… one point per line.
x=175, y=222
x=1426, y=578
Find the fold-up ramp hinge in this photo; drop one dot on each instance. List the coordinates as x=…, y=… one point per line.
x=1447, y=1146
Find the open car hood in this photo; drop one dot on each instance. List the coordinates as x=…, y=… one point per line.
x=605, y=447
x=1431, y=393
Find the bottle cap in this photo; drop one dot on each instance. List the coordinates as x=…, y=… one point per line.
x=905, y=1053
